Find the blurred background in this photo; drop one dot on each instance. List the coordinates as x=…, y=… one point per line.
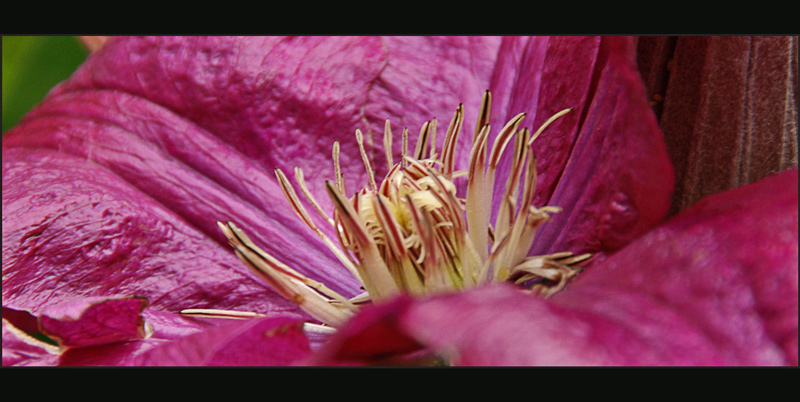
x=31, y=66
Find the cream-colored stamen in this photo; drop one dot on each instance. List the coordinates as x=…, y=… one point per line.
x=365, y=159
x=412, y=233
x=450, y=140
x=298, y=208
x=405, y=143
x=215, y=313
x=298, y=175
x=311, y=296
x=337, y=169
x=387, y=144
x=246, y=315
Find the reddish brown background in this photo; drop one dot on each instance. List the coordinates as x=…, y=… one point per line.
x=727, y=106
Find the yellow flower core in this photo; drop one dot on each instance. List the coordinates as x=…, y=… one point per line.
x=413, y=234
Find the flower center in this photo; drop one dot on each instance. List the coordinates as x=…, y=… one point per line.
x=416, y=223
x=413, y=233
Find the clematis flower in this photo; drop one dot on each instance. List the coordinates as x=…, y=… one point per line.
x=113, y=186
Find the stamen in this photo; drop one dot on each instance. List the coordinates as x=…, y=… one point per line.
x=387, y=144
x=477, y=158
x=428, y=255
x=568, y=258
x=365, y=159
x=413, y=233
x=506, y=211
x=523, y=227
x=243, y=244
x=450, y=140
x=483, y=116
x=214, y=313
x=555, y=269
x=298, y=175
x=374, y=273
x=500, y=143
x=422, y=141
x=479, y=194
x=547, y=123
x=392, y=231
x=288, y=283
x=337, y=170
x=503, y=139
x=294, y=201
x=245, y=315
x=361, y=298
x=433, y=154
x=405, y=145
x=319, y=329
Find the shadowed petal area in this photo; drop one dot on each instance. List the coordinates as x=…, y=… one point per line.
x=615, y=181
x=373, y=337
x=717, y=285
x=541, y=76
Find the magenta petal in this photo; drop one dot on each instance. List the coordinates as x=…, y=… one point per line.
x=372, y=337
x=605, y=163
x=717, y=285
x=618, y=179
x=105, y=339
x=73, y=228
x=500, y=326
x=106, y=355
x=270, y=341
x=178, y=340
x=166, y=328
x=114, y=183
x=541, y=76
x=94, y=321
x=169, y=135
x=728, y=265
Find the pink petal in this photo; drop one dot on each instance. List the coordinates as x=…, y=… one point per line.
x=165, y=328
x=195, y=125
x=179, y=340
x=728, y=265
x=72, y=228
x=617, y=178
x=373, y=337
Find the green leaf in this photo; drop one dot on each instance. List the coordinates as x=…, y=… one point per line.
x=32, y=65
